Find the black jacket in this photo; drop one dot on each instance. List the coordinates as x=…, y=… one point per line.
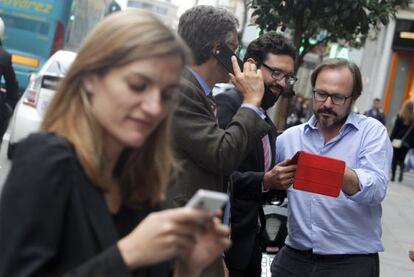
x=400, y=129
x=54, y=222
x=7, y=72
x=247, y=196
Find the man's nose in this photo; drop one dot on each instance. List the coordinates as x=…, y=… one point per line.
x=282, y=82
x=328, y=102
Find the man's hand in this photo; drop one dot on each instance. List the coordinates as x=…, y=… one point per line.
x=350, y=185
x=280, y=176
x=249, y=82
x=411, y=253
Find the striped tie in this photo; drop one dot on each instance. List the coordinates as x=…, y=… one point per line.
x=267, y=153
x=213, y=104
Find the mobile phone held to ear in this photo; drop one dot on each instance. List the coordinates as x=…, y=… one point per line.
x=223, y=54
x=208, y=200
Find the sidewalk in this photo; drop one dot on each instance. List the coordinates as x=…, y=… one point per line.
x=398, y=228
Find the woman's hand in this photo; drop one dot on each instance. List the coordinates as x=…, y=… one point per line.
x=208, y=247
x=165, y=235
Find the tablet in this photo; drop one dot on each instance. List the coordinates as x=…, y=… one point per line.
x=317, y=173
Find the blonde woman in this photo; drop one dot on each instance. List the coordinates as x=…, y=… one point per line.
x=82, y=196
x=403, y=129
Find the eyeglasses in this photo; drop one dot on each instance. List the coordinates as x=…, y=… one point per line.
x=322, y=96
x=279, y=75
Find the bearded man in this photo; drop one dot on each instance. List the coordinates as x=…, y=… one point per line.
x=336, y=236
x=251, y=183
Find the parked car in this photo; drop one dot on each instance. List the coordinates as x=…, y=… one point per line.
x=32, y=105
x=222, y=87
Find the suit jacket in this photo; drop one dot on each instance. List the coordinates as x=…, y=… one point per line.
x=53, y=221
x=205, y=152
x=247, y=196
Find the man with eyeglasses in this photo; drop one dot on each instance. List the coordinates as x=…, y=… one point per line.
x=336, y=236
x=250, y=183
x=206, y=153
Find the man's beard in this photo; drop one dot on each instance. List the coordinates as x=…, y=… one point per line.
x=330, y=123
x=270, y=98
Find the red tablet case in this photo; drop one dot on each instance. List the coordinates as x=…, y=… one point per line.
x=318, y=174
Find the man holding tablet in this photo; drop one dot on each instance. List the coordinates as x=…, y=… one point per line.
x=336, y=236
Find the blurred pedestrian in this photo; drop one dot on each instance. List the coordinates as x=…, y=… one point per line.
x=8, y=95
x=402, y=137
x=409, y=160
x=82, y=195
x=251, y=184
x=296, y=113
x=376, y=111
x=336, y=236
x=206, y=152
x=307, y=109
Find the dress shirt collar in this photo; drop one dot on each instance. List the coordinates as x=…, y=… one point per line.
x=206, y=88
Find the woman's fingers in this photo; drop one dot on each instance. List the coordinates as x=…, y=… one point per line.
x=220, y=229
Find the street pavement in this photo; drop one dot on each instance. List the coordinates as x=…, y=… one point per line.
x=398, y=228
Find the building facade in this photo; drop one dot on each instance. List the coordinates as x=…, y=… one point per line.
x=387, y=64
x=166, y=10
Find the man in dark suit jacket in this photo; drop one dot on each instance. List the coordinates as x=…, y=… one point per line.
x=255, y=175
x=205, y=152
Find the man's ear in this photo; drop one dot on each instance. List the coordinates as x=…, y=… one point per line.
x=250, y=60
x=216, y=45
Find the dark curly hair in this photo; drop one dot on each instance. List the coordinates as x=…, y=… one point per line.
x=202, y=27
x=270, y=42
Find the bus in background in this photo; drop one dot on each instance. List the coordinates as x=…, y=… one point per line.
x=35, y=29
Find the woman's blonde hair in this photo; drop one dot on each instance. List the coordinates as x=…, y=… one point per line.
x=407, y=112
x=118, y=40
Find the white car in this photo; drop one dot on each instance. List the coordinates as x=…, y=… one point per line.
x=32, y=105
x=222, y=87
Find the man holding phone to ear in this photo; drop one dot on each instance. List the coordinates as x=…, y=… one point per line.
x=205, y=152
x=272, y=53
